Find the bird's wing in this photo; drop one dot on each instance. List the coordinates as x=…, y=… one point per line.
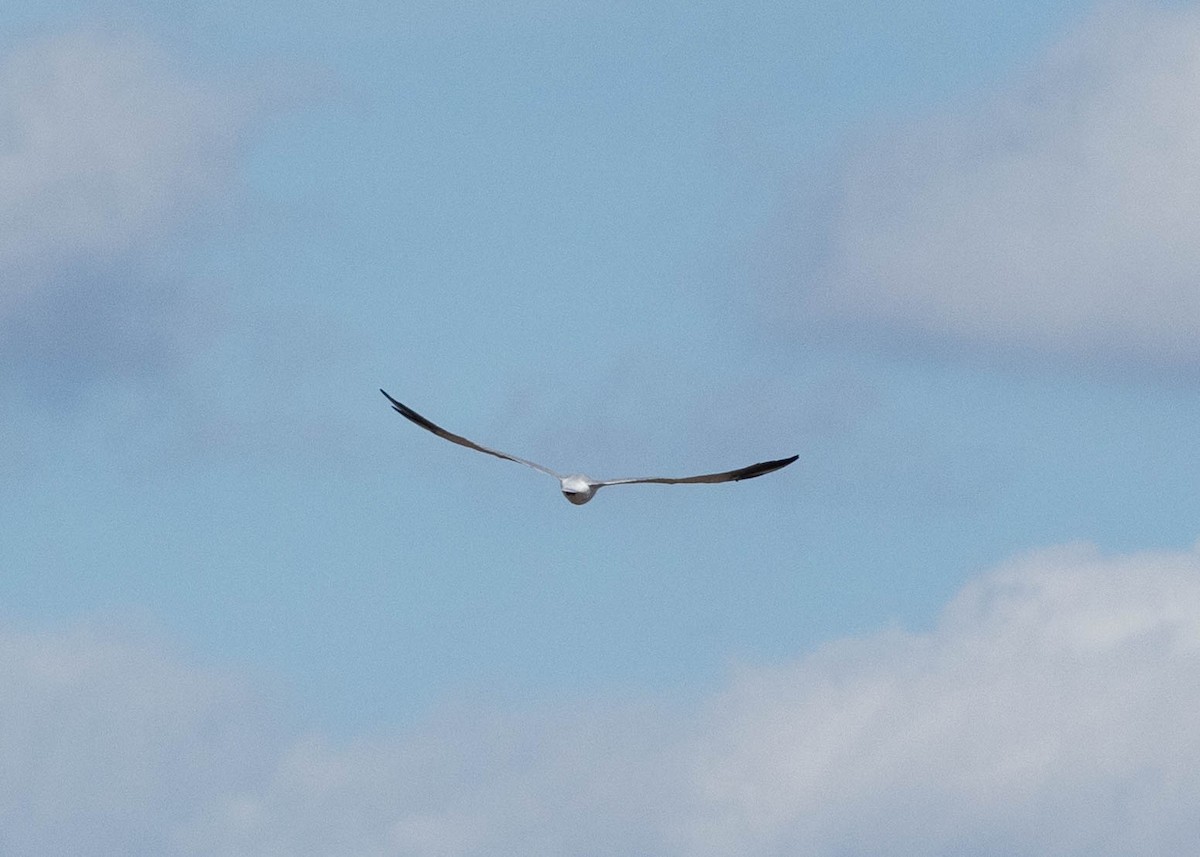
x=409, y=414
x=750, y=472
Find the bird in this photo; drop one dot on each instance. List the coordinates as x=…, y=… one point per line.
x=576, y=487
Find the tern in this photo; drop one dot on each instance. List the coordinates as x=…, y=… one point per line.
x=577, y=488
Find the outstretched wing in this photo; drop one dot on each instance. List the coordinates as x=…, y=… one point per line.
x=411, y=415
x=763, y=467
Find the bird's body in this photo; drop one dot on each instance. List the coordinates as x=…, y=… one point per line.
x=577, y=488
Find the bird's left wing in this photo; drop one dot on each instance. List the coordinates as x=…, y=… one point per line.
x=763, y=467
x=409, y=414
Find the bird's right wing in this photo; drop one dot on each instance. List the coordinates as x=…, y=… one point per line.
x=411, y=415
x=750, y=472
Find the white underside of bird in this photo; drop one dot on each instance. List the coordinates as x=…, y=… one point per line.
x=577, y=488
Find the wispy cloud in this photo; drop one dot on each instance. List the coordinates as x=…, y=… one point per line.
x=1049, y=711
x=108, y=154
x=1058, y=215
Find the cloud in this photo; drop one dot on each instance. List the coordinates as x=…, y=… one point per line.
x=108, y=742
x=1050, y=710
x=1045, y=714
x=108, y=155
x=1059, y=216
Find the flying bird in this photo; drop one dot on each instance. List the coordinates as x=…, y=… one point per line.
x=578, y=488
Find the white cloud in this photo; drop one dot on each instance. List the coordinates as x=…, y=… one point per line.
x=107, y=153
x=1062, y=215
x=1051, y=710
x=1045, y=714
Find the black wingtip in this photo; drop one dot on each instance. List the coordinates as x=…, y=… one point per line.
x=765, y=467
x=411, y=415
x=779, y=464
x=397, y=406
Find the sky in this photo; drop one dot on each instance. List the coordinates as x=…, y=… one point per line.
x=944, y=252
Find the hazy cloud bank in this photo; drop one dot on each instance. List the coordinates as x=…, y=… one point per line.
x=1059, y=215
x=108, y=743
x=1051, y=710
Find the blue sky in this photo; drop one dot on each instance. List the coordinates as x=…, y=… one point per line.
x=944, y=252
